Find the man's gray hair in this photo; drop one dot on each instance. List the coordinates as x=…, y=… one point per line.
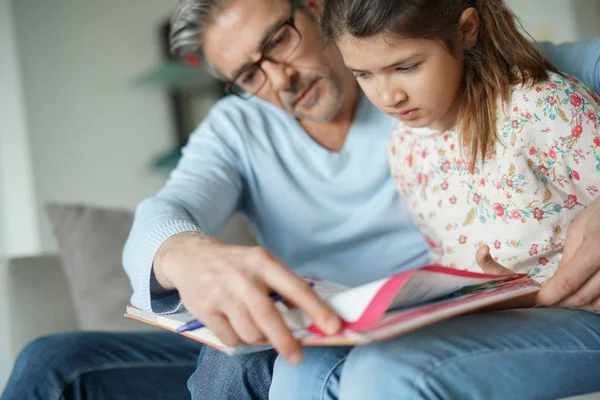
x=189, y=23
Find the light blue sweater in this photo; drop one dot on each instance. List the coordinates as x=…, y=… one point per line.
x=581, y=59
x=333, y=215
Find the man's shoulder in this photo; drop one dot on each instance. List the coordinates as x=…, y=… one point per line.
x=240, y=123
x=235, y=110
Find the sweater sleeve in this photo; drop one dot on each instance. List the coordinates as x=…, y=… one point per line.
x=201, y=194
x=580, y=59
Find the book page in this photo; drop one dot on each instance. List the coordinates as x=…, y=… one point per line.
x=363, y=306
x=424, y=286
x=377, y=310
x=352, y=303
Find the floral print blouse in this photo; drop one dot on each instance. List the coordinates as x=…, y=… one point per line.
x=541, y=172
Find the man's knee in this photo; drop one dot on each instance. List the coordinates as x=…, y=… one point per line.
x=48, y=363
x=54, y=353
x=220, y=376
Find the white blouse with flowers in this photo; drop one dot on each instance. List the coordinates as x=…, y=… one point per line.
x=543, y=170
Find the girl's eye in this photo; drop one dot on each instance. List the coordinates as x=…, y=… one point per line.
x=361, y=75
x=407, y=69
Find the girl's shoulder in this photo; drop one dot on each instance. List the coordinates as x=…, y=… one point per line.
x=560, y=110
x=560, y=101
x=559, y=90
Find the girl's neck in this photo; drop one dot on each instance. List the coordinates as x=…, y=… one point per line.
x=449, y=120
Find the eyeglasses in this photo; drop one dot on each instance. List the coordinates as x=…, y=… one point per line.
x=279, y=47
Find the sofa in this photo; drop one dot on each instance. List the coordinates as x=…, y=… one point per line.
x=37, y=302
x=83, y=286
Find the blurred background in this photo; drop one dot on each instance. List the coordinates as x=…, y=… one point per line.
x=82, y=120
x=93, y=112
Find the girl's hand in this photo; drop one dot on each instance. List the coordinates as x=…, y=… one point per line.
x=489, y=266
x=576, y=282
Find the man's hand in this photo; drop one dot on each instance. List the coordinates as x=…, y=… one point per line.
x=226, y=287
x=576, y=282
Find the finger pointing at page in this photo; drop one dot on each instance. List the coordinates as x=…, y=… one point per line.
x=227, y=288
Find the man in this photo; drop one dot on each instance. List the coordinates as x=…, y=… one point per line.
x=209, y=36
x=304, y=159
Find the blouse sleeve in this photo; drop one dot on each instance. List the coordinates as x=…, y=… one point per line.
x=559, y=133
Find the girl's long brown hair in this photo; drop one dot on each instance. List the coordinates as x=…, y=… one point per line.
x=490, y=66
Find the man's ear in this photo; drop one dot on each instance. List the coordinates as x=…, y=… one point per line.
x=468, y=28
x=315, y=7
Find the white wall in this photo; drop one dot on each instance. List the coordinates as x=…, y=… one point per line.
x=92, y=133
x=552, y=20
x=587, y=13
x=6, y=355
x=19, y=229
x=18, y=220
x=559, y=20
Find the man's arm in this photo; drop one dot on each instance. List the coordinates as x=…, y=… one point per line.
x=580, y=59
x=200, y=196
x=170, y=254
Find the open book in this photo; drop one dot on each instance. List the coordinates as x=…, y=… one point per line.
x=378, y=310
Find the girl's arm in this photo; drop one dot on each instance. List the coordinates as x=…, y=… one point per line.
x=562, y=139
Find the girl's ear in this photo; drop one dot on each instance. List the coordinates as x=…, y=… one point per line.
x=468, y=28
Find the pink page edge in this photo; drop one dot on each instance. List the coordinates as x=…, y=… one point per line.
x=386, y=294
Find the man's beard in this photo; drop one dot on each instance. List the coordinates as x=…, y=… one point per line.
x=331, y=91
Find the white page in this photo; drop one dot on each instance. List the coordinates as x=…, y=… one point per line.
x=423, y=286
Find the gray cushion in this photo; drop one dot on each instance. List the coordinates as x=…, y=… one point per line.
x=91, y=241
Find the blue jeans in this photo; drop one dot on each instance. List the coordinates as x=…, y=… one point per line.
x=89, y=365
x=222, y=377
x=517, y=354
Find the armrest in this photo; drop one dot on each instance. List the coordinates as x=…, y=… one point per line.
x=39, y=301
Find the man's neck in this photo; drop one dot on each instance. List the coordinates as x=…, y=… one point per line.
x=332, y=134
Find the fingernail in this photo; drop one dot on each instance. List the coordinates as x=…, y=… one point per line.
x=296, y=358
x=333, y=325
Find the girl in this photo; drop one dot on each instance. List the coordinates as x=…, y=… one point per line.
x=494, y=145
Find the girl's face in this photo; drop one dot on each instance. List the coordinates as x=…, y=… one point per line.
x=415, y=80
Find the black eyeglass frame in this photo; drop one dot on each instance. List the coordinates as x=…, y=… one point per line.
x=230, y=84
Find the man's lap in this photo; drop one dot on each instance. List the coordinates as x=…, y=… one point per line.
x=244, y=377
x=104, y=365
x=318, y=377
x=515, y=354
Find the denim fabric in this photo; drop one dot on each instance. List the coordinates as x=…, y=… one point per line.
x=317, y=377
x=222, y=377
x=517, y=354
x=90, y=365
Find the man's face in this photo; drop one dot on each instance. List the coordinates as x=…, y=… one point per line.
x=309, y=84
